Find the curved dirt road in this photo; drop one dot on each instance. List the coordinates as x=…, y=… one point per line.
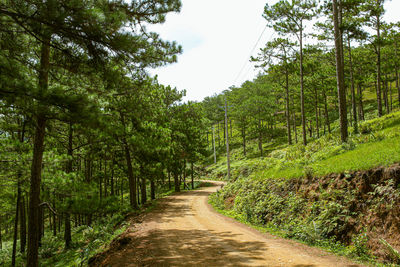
x=185, y=231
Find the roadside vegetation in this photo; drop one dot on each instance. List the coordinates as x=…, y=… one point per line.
x=90, y=240
x=314, y=139
x=87, y=136
x=83, y=125
x=341, y=197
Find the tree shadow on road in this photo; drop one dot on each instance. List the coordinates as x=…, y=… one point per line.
x=187, y=248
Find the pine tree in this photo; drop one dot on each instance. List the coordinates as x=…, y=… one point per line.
x=81, y=35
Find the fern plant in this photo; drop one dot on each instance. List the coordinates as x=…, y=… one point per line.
x=392, y=252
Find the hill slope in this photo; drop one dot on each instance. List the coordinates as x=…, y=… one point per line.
x=344, y=197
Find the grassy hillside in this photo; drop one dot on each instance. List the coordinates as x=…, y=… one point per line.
x=377, y=144
x=342, y=197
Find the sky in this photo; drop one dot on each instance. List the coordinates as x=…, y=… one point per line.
x=218, y=37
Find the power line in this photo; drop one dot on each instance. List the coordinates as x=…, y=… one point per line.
x=251, y=53
x=248, y=71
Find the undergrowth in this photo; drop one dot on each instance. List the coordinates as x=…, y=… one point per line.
x=87, y=240
x=377, y=144
x=324, y=218
x=334, y=214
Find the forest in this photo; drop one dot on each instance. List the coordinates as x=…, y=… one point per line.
x=89, y=138
x=314, y=139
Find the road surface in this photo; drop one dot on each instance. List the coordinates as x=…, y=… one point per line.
x=184, y=230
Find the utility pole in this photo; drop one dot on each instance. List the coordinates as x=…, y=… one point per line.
x=215, y=155
x=227, y=141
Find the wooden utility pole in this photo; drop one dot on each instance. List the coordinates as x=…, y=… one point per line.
x=215, y=155
x=227, y=141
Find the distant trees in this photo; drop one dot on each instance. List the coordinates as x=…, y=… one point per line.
x=326, y=84
x=288, y=18
x=392, y=37
x=239, y=99
x=82, y=124
x=280, y=50
x=375, y=11
x=78, y=106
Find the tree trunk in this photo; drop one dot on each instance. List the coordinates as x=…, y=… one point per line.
x=138, y=190
x=320, y=118
x=59, y=222
x=353, y=93
x=23, y=225
x=14, y=247
x=378, y=65
x=67, y=218
x=20, y=208
x=131, y=177
x=143, y=192
x=112, y=176
x=219, y=138
x=54, y=216
x=34, y=193
x=386, y=94
x=360, y=102
x=225, y=132
x=105, y=176
x=184, y=171
x=340, y=74
x=152, y=189
x=169, y=180
x=192, y=174
x=316, y=112
x=176, y=182
x=396, y=69
x=327, y=122
x=100, y=184
x=36, y=168
x=287, y=107
x=244, y=140
x=303, y=115
x=398, y=85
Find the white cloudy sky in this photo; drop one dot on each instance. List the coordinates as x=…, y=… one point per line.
x=217, y=37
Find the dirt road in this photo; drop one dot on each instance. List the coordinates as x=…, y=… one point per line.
x=184, y=230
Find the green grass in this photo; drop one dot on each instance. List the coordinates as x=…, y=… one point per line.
x=255, y=178
x=364, y=157
x=378, y=144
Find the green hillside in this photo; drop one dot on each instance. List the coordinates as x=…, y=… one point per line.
x=325, y=194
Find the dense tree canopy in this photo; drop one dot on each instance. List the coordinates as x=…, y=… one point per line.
x=309, y=86
x=78, y=106
x=86, y=132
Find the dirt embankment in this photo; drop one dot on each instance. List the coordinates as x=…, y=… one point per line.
x=361, y=209
x=372, y=198
x=184, y=230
